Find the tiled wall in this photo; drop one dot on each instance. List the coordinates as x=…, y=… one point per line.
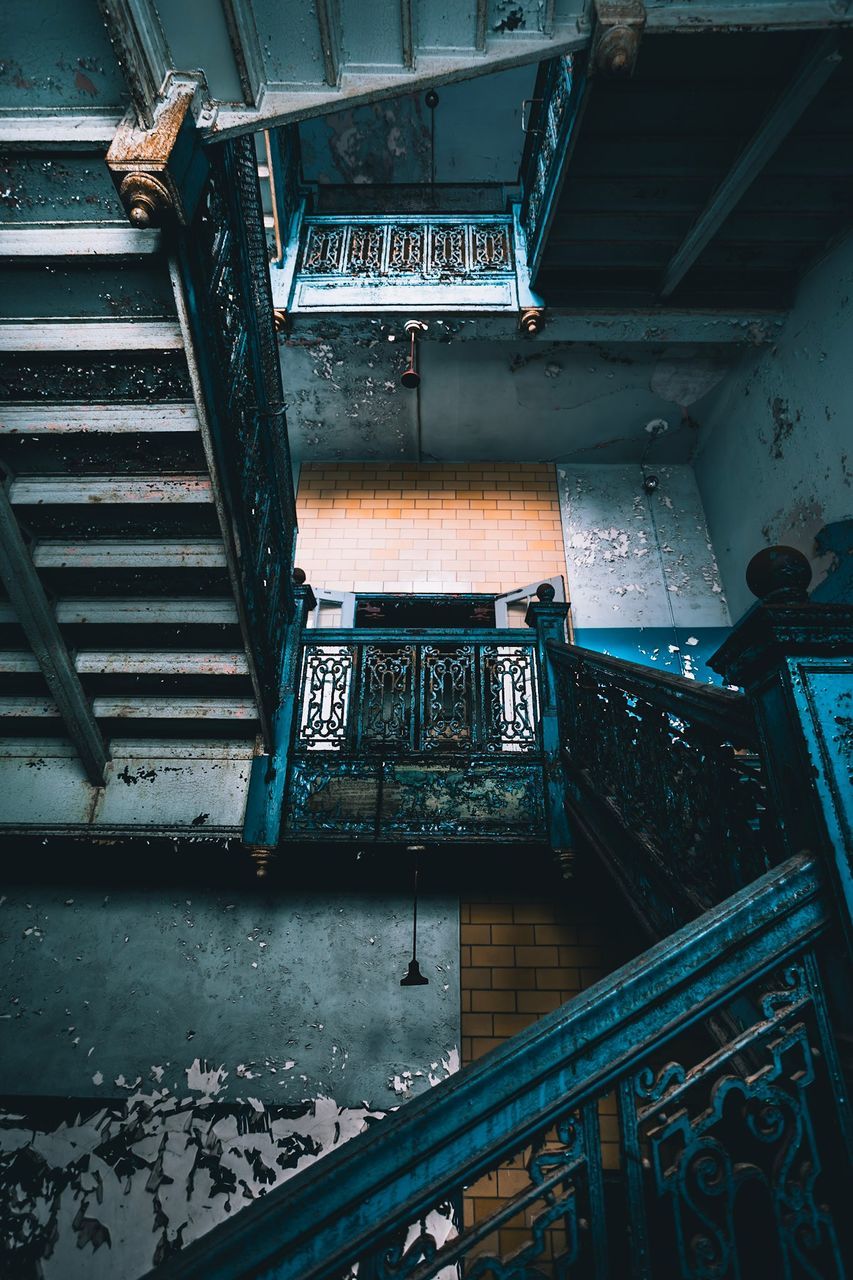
x=521, y=958
x=487, y=527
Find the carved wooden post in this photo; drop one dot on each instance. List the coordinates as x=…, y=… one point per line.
x=549, y=619
x=265, y=798
x=795, y=661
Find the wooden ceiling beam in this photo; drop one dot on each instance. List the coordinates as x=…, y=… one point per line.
x=815, y=68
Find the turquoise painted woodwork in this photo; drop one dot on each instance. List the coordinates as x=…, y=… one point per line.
x=795, y=661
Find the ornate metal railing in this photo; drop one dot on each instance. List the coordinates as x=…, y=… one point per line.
x=413, y=734
x=426, y=248
x=385, y=261
x=664, y=781
x=618, y=1137
x=224, y=266
x=555, y=107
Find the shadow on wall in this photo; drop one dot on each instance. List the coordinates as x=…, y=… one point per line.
x=834, y=556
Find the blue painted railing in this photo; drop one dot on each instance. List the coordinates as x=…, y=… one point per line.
x=732, y=1127
x=404, y=734
x=223, y=262
x=663, y=780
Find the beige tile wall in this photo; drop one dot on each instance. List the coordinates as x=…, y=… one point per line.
x=522, y=957
x=487, y=527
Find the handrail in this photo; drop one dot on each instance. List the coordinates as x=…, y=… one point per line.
x=419, y=635
x=659, y=785
x=341, y=1208
x=725, y=711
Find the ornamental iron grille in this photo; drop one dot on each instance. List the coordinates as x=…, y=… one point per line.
x=427, y=733
x=726, y=1166
x=223, y=260
x=685, y=1120
x=671, y=767
x=558, y=90
x=402, y=248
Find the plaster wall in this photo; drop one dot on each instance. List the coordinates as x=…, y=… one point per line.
x=775, y=461
x=167, y=1057
x=643, y=579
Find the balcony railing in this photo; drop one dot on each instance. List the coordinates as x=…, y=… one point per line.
x=664, y=781
x=431, y=262
x=407, y=734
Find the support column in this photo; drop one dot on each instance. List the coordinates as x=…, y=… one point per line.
x=265, y=798
x=549, y=620
x=795, y=661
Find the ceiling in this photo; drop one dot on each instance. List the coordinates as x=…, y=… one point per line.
x=651, y=154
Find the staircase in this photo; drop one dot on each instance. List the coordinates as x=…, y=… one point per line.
x=146, y=507
x=713, y=1053
x=710, y=1120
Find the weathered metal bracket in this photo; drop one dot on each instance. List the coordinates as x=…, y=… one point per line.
x=616, y=39
x=265, y=797
x=160, y=172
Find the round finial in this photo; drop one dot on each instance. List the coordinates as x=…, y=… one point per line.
x=262, y=859
x=146, y=199
x=545, y=592
x=299, y=577
x=431, y=99
x=140, y=214
x=779, y=574
x=531, y=321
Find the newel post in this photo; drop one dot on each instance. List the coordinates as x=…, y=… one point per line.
x=265, y=797
x=794, y=659
x=548, y=618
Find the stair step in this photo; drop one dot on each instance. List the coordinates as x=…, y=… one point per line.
x=53, y=419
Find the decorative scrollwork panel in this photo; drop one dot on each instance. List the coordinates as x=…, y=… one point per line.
x=387, y=707
x=447, y=706
x=535, y=1228
x=325, y=705
x=510, y=698
x=689, y=793
x=408, y=248
x=742, y=1170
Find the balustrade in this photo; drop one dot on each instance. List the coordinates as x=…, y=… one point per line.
x=724, y=1153
x=664, y=781
x=403, y=733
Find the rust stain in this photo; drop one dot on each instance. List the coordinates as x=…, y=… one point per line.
x=85, y=85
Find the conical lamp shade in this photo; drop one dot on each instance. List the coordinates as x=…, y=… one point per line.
x=414, y=977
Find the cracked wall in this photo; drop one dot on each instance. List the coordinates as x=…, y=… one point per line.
x=169, y=1057
x=643, y=578
x=775, y=463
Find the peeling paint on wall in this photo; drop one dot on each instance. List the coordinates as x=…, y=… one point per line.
x=296, y=993
x=112, y=1190
x=166, y=1060
x=773, y=464
x=643, y=577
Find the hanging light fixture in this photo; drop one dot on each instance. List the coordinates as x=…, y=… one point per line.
x=410, y=377
x=414, y=977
